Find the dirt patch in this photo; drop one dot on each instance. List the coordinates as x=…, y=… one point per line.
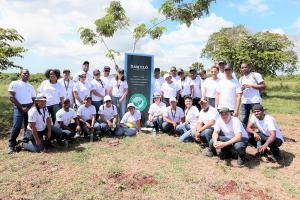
x=113, y=143
x=228, y=187
x=251, y=193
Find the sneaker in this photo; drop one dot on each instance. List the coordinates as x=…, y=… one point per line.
x=77, y=135
x=225, y=155
x=240, y=161
x=209, y=154
x=10, y=150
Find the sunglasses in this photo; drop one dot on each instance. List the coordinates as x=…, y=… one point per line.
x=82, y=76
x=107, y=70
x=97, y=74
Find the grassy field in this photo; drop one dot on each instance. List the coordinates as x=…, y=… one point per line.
x=155, y=167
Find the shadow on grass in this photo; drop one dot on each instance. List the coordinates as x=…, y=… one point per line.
x=284, y=97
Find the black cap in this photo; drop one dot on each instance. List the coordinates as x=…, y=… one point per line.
x=222, y=62
x=224, y=110
x=257, y=107
x=86, y=63
x=227, y=67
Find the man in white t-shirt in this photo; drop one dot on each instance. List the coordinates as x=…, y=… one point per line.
x=207, y=119
x=228, y=133
x=251, y=83
x=196, y=93
x=67, y=121
x=158, y=81
x=173, y=73
x=107, y=79
x=68, y=85
x=108, y=116
x=221, y=75
x=169, y=89
x=172, y=116
x=21, y=94
x=269, y=134
x=155, y=117
x=228, y=92
x=85, y=68
x=86, y=114
x=188, y=128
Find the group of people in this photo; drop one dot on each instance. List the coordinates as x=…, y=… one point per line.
x=198, y=108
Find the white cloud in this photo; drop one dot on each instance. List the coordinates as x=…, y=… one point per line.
x=252, y=6
x=297, y=23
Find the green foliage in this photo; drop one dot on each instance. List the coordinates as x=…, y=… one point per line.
x=140, y=31
x=112, y=54
x=198, y=66
x=185, y=11
x=266, y=52
x=157, y=32
x=8, y=51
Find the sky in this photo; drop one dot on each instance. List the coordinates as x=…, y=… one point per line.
x=50, y=29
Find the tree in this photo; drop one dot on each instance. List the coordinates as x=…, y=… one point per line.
x=267, y=53
x=8, y=51
x=198, y=66
x=115, y=19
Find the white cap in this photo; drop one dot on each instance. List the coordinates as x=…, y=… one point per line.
x=107, y=98
x=166, y=75
x=130, y=105
x=172, y=99
x=40, y=97
x=81, y=73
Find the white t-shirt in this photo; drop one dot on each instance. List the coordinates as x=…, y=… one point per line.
x=86, y=113
x=109, y=113
x=40, y=119
x=53, y=92
x=175, y=79
x=211, y=114
x=191, y=116
x=82, y=89
x=99, y=87
x=131, y=118
x=68, y=89
x=228, y=90
x=107, y=82
x=266, y=125
x=211, y=86
x=119, y=87
x=65, y=117
x=24, y=91
x=174, y=115
x=157, y=84
x=169, y=90
x=197, y=87
x=202, y=85
x=185, y=86
x=221, y=75
x=233, y=127
x=157, y=110
x=251, y=95
x=89, y=77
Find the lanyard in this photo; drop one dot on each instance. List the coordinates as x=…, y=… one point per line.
x=187, y=111
x=101, y=83
x=44, y=114
x=182, y=83
x=66, y=86
x=173, y=113
x=118, y=85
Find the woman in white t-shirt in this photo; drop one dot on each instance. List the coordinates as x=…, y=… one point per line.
x=81, y=89
x=98, y=91
x=186, y=88
x=39, y=127
x=130, y=123
x=210, y=85
x=119, y=92
x=155, y=117
x=53, y=91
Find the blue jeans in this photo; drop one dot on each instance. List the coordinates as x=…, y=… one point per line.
x=86, y=131
x=246, y=109
x=156, y=123
x=105, y=128
x=19, y=118
x=97, y=104
x=240, y=146
x=206, y=135
x=274, y=146
x=56, y=133
x=212, y=102
x=121, y=106
x=167, y=127
x=53, y=110
x=126, y=131
x=187, y=135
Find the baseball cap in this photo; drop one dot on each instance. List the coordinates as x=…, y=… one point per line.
x=224, y=110
x=180, y=70
x=106, y=68
x=107, y=98
x=66, y=70
x=81, y=73
x=227, y=67
x=172, y=99
x=156, y=95
x=87, y=97
x=166, y=75
x=86, y=62
x=173, y=68
x=222, y=62
x=203, y=100
x=130, y=105
x=66, y=100
x=257, y=107
x=40, y=97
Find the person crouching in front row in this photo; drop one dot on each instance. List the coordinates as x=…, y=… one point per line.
x=130, y=123
x=108, y=116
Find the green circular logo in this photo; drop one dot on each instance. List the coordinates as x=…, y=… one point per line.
x=139, y=101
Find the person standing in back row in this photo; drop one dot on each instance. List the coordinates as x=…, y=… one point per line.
x=251, y=83
x=85, y=68
x=21, y=94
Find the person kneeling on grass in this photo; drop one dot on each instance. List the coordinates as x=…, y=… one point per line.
x=268, y=134
x=39, y=130
x=188, y=128
x=108, y=116
x=228, y=132
x=172, y=116
x=87, y=117
x=64, y=118
x=130, y=123
x=155, y=118
x=207, y=119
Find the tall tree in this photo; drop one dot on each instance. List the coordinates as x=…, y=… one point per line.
x=267, y=53
x=7, y=50
x=115, y=19
x=198, y=66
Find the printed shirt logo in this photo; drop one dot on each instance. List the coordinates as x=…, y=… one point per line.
x=139, y=100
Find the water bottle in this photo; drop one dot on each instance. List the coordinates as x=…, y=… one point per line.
x=258, y=143
x=91, y=137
